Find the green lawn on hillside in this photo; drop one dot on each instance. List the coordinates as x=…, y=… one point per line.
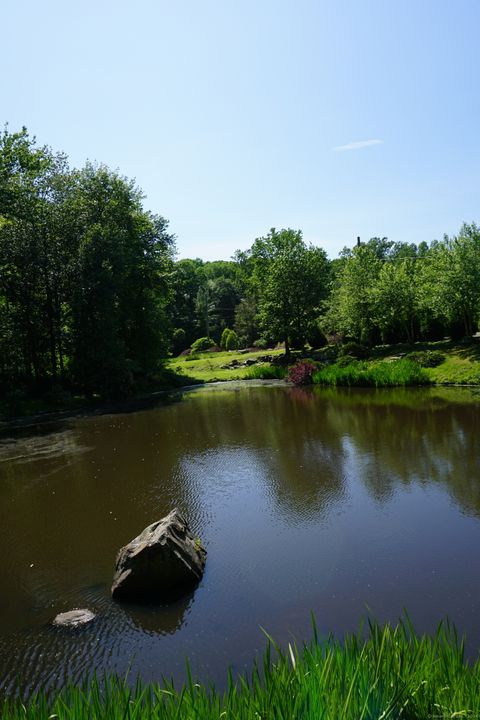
x=209, y=366
x=460, y=367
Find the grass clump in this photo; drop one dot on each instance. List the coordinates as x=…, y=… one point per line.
x=380, y=374
x=267, y=372
x=388, y=673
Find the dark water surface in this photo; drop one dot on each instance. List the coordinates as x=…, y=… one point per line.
x=330, y=501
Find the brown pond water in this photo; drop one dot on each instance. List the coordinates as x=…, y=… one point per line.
x=324, y=501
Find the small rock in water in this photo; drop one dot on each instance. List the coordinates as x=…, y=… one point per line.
x=73, y=618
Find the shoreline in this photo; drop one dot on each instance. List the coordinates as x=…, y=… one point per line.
x=147, y=401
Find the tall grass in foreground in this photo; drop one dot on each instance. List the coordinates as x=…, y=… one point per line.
x=392, y=673
x=381, y=374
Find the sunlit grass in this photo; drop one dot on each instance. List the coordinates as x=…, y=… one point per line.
x=267, y=372
x=456, y=369
x=461, y=367
x=373, y=374
x=208, y=367
x=388, y=673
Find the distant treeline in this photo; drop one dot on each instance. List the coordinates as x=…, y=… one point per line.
x=92, y=299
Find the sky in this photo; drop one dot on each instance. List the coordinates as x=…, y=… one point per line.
x=341, y=118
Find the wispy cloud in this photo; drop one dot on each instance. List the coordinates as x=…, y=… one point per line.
x=357, y=145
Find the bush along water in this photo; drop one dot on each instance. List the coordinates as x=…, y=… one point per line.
x=387, y=672
x=301, y=373
x=363, y=374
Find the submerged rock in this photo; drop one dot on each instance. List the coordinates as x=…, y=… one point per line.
x=73, y=618
x=163, y=562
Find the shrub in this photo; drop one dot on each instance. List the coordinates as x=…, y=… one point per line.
x=232, y=341
x=354, y=349
x=427, y=358
x=229, y=340
x=345, y=360
x=301, y=373
x=329, y=353
x=261, y=343
x=203, y=343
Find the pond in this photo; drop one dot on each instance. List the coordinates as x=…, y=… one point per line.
x=336, y=502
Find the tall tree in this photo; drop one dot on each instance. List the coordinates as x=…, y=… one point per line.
x=291, y=278
x=124, y=261
x=352, y=306
x=396, y=301
x=33, y=248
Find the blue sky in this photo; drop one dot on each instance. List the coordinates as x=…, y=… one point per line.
x=340, y=118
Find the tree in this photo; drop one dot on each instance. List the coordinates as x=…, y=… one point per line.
x=246, y=321
x=450, y=279
x=291, y=280
x=352, y=306
x=120, y=324
x=395, y=300
x=35, y=256
x=187, y=278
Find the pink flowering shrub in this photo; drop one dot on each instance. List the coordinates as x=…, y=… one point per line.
x=301, y=373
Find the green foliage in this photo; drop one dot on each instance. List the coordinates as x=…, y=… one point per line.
x=262, y=342
x=179, y=340
x=346, y=360
x=232, y=341
x=356, y=350
x=396, y=300
x=205, y=296
x=203, y=343
x=83, y=269
x=382, y=374
x=353, y=301
x=246, y=321
x=450, y=281
x=267, y=372
x=119, y=324
x=186, y=279
x=291, y=281
x=427, y=358
x=389, y=672
x=229, y=340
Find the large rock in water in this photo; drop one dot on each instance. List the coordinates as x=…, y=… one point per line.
x=163, y=562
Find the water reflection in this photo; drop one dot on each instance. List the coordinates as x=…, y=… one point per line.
x=305, y=498
x=159, y=619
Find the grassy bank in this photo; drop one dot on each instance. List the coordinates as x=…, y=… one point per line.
x=373, y=374
x=439, y=363
x=215, y=366
x=392, y=673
